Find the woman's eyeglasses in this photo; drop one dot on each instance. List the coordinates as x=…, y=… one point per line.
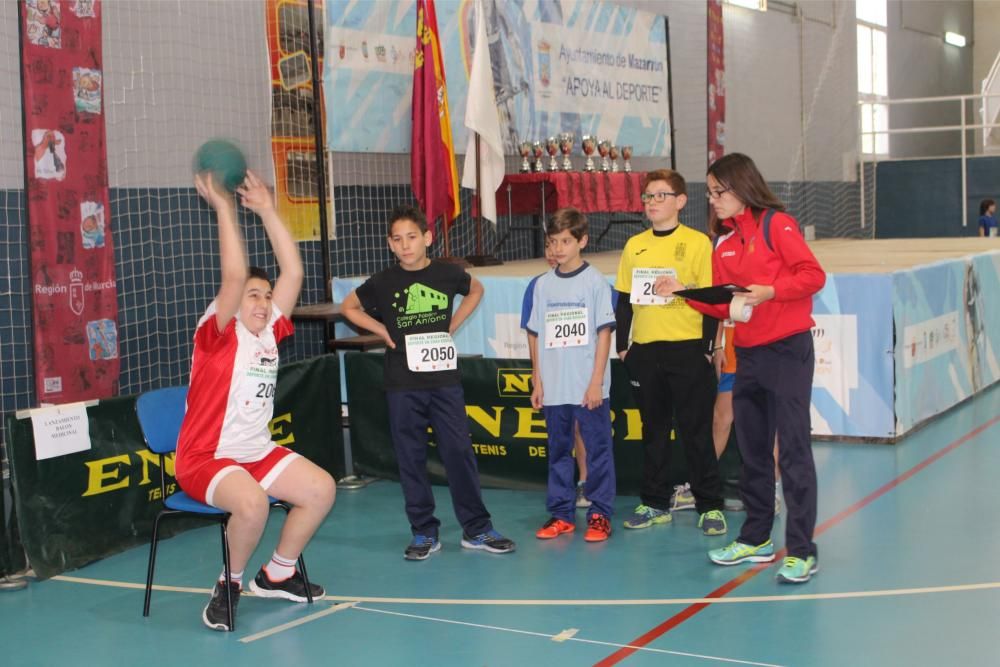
x=715, y=194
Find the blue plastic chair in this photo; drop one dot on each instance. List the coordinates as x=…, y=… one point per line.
x=160, y=413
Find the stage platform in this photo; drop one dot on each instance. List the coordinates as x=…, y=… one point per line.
x=904, y=328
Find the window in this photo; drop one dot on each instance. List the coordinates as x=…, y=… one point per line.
x=873, y=77
x=872, y=11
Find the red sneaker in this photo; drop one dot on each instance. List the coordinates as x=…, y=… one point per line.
x=554, y=528
x=598, y=528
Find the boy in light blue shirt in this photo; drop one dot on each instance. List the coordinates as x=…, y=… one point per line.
x=569, y=333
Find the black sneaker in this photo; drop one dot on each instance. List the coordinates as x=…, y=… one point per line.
x=491, y=541
x=293, y=588
x=216, y=615
x=420, y=547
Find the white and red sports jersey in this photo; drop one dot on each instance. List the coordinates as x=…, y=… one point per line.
x=231, y=396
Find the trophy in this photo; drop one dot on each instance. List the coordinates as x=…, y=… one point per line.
x=613, y=153
x=566, y=147
x=627, y=155
x=537, y=151
x=524, y=148
x=604, y=148
x=552, y=148
x=588, y=149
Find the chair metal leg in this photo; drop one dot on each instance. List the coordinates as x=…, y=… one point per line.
x=305, y=579
x=228, y=572
x=153, y=543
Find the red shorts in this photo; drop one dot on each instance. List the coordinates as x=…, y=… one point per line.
x=200, y=477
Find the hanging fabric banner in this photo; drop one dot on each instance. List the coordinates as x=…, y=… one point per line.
x=66, y=181
x=716, y=83
x=293, y=132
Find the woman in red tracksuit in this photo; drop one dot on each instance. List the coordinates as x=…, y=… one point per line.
x=774, y=351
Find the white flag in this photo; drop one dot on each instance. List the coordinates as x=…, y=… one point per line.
x=481, y=118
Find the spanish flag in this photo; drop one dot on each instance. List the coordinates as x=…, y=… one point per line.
x=432, y=156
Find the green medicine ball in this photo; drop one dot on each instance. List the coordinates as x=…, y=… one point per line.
x=224, y=160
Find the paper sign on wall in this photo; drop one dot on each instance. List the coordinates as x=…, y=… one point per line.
x=60, y=430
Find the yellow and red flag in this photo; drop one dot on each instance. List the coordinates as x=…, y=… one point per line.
x=434, y=177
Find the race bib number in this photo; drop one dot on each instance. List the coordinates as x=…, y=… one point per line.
x=642, y=287
x=431, y=352
x=566, y=327
x=256, y=388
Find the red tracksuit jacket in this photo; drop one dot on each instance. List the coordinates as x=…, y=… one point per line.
x=743, y=258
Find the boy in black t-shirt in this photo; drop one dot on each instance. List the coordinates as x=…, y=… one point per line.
x=409, y=306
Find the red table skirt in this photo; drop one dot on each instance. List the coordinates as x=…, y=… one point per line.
x=587, y=191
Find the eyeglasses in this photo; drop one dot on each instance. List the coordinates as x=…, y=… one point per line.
x=715, y=194
x=647, y=197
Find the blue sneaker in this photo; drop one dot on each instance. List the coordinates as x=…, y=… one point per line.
x=491, y=541
x=797, y=570
x=421, y=547
x=644, y=516
x=736, y=552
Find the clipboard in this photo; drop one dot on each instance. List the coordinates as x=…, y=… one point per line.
x=717, y=294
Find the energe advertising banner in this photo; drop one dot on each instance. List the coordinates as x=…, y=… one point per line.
x=80, y=507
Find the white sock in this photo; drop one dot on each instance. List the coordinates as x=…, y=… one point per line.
x=235, y=577
x=280, y=568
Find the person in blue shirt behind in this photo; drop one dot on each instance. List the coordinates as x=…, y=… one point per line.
x=987, y=218
x=569, y=335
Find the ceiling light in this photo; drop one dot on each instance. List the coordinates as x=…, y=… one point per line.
x=954, y=39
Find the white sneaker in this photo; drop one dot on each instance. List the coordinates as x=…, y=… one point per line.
x=682, y=499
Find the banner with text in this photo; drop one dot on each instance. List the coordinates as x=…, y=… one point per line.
x=80, y=507
x=592, y=68
x=716, y=83
x=947, y=335
x=75, y=304
x=853, y=382
x=508, y=435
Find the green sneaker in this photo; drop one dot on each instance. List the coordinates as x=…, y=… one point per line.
x=712, y=522
x=644, y=516
x=737, y=552
x=797, y=570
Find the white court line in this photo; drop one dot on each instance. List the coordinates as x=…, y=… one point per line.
x=891, y=592
x=571, y=639
x=291, y=624
x=568, y=633
x=128, y=584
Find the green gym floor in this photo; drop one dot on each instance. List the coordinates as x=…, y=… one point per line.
x=907, y=537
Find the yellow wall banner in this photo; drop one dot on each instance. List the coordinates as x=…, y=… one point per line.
x=293, y=137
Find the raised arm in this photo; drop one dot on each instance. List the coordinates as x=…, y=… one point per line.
x=255, y=195
x=232, y=251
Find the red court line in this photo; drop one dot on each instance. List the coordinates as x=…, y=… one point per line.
x=747, y=575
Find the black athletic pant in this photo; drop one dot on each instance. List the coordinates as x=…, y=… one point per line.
x=442, y=409
x=772, y=392
x=675, y=383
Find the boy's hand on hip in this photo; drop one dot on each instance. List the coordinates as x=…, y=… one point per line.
x=384, y=334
